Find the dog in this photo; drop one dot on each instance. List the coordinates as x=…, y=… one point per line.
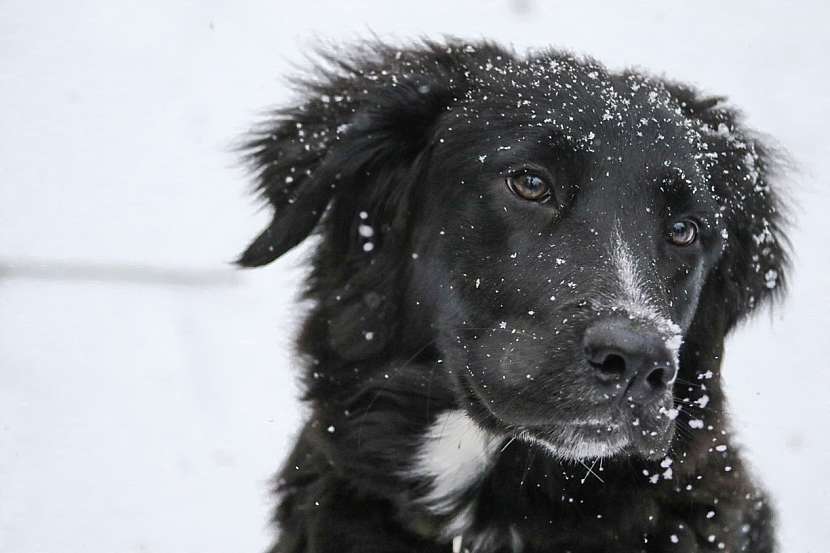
x=525, y=271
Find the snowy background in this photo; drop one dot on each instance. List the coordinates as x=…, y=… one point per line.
x=146, y=389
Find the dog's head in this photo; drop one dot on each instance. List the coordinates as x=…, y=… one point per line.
x=557, y=234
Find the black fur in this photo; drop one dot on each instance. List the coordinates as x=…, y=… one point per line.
x=468, y=297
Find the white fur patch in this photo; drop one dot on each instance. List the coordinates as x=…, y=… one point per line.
x=635, y=299
x=454, y=455
x=631, y=282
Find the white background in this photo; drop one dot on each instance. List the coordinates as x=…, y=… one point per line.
x=144, y=410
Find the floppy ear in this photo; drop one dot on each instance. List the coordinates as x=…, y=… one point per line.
x=344, y=163
x=363, y=114
x=742, y=172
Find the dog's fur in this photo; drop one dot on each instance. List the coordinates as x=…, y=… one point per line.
x=452, y=408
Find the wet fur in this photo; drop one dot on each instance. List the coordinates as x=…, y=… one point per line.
x=369, y=144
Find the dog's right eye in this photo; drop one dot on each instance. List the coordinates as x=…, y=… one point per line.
x=684, y=233
x=529, y=186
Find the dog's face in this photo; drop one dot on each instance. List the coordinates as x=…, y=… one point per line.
x=550, y=226
x=571, y=254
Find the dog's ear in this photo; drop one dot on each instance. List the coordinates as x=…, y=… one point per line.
x=345, y=163
x=363, y=114
x=743, y=173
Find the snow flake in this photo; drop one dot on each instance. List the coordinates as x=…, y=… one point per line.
x=670, y=413
x=771, y=278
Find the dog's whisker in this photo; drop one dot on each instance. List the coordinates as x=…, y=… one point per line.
x=531, y=457
x=590, y=471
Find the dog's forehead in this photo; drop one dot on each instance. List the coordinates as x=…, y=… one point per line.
x=631, y=124
x=581, y=101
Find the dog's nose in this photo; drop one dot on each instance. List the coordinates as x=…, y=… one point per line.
x=630, y=357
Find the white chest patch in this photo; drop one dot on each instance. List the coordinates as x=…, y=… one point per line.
x=454, y=455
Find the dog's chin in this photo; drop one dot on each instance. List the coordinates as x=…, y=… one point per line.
x=587, y=440
x=579, y=440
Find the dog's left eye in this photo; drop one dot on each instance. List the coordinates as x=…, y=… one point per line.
x=683, y=233
x=529, y=186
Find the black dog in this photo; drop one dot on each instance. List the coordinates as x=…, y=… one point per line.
x=526, y=271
